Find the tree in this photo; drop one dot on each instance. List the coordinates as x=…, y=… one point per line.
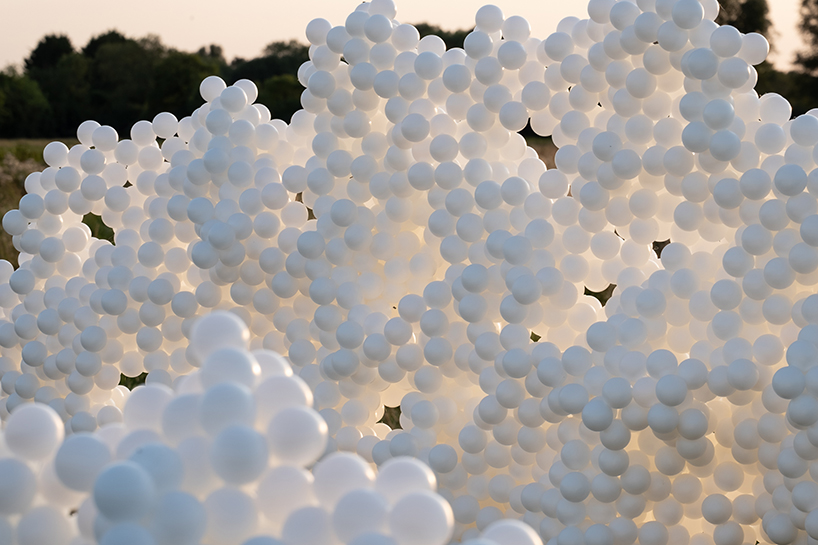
x=48, y=52
x=62, y=77
x=808, y=60
x=24, y=110
x=747, y=16
x=67, y=89
x=176, y=85
x=279, y=58
x=121, y=78
x=286, y=50
x=274, y=73
x=282, y=95
x=213, y=53
x=110, y=37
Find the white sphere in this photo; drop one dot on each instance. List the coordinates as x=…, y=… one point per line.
x=18, y=485
x=421, y=518
x=218, y=330
x=297, y=435
x=79, y=460
x=239, y=454
x=34, y=431
x=124, y=492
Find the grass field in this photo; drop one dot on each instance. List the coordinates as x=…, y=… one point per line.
x=31, y=148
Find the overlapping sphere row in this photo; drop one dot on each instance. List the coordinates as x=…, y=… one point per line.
x=400, y=244
x=221, y=460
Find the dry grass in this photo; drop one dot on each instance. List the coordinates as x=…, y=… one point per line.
x=13, y=173
x=18, y=159
x=30, y=148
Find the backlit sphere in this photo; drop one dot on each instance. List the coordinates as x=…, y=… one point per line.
x=79, y=460
x=144, y=407
x=231, y=515
x=179, y=518
x=34, y=432
x=211, y=87
x=225, y=404
x=229, y=364
x=43, y=524
x=317, y=30
x=358, y=513
x=401, y=476
x=510, y=531
x=421, y=517
x=489, y=18
x=788, y=382
x=19, y=485
x=218, y=331
x=164, y=125
x=239, y=455
x=298, y=435
x=442, y=458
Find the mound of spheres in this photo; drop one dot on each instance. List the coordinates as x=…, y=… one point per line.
x=680, y=412
x=169, y=474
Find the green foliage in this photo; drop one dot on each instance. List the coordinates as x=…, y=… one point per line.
x=601, y=296
x=132, y=382
x=23, y=152
x=177, y=90
x=66, y=87
x=391, y=417
x=48, y=52
x=212, y=53
x=278, y=59
x=808, y=59
x=24, y=110
x=121, y=78
x=746, y=15
x=98, y=227
x=118, y=80
x=95, y=43
x=282, y=95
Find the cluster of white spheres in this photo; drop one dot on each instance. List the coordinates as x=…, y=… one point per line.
x=401, y=244
x=230, y=457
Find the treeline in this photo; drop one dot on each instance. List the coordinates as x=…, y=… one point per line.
x=118, y=80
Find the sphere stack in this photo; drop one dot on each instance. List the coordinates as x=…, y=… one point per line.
x=222, y=460
x=401, y=244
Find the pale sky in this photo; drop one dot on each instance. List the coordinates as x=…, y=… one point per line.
x=243, y=28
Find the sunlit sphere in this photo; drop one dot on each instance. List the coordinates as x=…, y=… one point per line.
x=421, y=517
x=34, y=432
x=297, y=435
